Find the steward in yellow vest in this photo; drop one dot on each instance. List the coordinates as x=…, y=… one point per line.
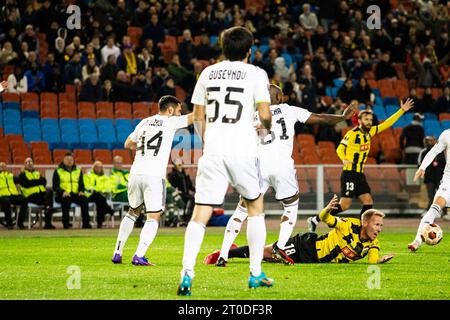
x=98, y=187
x=119, y=180
x=9, y=195
x=69, y=187
x=33, y=187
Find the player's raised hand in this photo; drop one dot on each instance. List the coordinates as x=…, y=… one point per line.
x=333, y=203
x=409, y=103
x=386, y=258
x=419, y=174
x=4, y=84
x=350, y=110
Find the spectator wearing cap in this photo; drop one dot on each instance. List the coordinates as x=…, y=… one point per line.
x=411, y=140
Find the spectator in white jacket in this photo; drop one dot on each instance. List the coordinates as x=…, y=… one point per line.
x=17, y=81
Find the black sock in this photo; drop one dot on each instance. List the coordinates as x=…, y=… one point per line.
x=365, y=208
x=337, y=210
x=240, y=252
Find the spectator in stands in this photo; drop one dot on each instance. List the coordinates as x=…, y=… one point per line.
x=308, y=19
x=23, y=52
x=141, y=15
x=145, y=60
x=35, y=79
x=68, y=185
x=108, y=93
x=428, y=101
x=13, y=38
x=119, y=180
x=347, y=92
x=30, y=37
x=385, y=69
x=154, y=30
x=17, y=81
x=127, y=61
x=443, y=102
x=411, y=140
x=182, y=77
x=204, y=51
x=186, y=49
x=72, y=70
x=33, y=187
x=91, y=90
x=109, y=49
x=168, y=88
x=143, y=89
x=356, y=65
x=76, y=44
x=7, y=54
x=123, y=90
x=110, y=69
x=179, y=179
x=52, y=73
x=89, y=53
x=98, y=189
x=260, y=62
x=434, y=172
x=9, y=195
x=282, y=70
x=363, y=92
x=341, y=65
x=90, y=69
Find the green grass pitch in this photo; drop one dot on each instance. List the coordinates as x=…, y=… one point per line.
x=34, y=265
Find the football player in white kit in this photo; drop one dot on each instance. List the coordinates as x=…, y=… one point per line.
x=277, y=171
x=224, y=99
x=152, y=139
x=442, y=196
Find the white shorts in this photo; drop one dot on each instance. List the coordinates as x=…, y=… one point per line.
x=282, y=177
x=216, y=172
x=148, y=190
x=444, y=192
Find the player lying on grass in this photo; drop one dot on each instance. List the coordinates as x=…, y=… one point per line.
x=353, y=151
x=277, y=167
x=351, y=239
x=442, y=196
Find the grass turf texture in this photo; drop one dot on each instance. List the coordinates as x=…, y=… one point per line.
x=34, y=265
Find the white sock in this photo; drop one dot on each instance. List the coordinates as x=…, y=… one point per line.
x=429, y=217
x=315, y=219
x=286, y=227
x=193, y=239
x=126, y=227
x=232, y=230
x=256, y=238
x=148, y=234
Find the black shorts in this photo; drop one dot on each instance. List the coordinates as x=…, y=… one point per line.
x=353, y=184
x=302, y=248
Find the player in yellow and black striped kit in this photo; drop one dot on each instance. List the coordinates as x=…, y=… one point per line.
x=350, y=240
x=353, y=151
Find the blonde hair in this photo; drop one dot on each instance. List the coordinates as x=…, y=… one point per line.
x=368, y=214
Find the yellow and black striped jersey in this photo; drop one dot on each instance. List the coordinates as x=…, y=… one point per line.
x=355, y=145
x=343, y=244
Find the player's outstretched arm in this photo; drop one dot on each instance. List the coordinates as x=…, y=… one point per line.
x=198, y=118
x=404, y=107
x=325, y=215
x=3, y=86
x=385, y=258
x=332, y=119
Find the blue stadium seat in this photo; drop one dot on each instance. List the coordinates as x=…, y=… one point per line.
x=11, y=105
x=338, y=83
x=88, y=132
x=380, y=112
x=123, y=127
x=263, y=48
x=430, y=116
x=445, y=124
x=331, y=91
x=135, y=122
x=390, y=101
x=58, y=145
x=408, y=117
x=391, y=109
x=400, y=123
x=79, y=145
x=50, y=131
x=101, y=145
x=432, y=127
x=287, y=58
x=30, y=114
x=31, y=129
x=106, y=131
x=213, y=40
x=376, y=92
x=69, y=130
x=12, y=121
x=378, y=100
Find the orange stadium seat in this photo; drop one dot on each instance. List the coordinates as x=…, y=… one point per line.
x=58, y=155
x=49, y=96
x=135, y=34
x=82, y=156
x=104, y=110
x=154, y=108
x=141, y=110
x=49, y=109
x=103, y=155
x=30, y=97
x=124, y=153
x=180, y=93
x=10, y=97
x=122, y=110
x=30, y=105
x=86, y=110
x=67, y=96
x=444, y=116
x=67, y=109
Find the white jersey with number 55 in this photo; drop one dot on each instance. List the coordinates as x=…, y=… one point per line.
x=154, y=136
x=230, y=90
